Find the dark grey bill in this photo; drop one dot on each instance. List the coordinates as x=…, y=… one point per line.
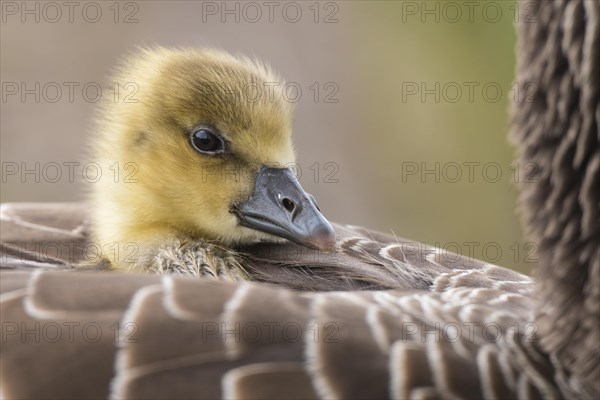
x=279, y=206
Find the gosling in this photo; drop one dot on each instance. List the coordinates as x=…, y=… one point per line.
x=194, y=161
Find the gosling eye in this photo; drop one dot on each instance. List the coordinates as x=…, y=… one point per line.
x=207, y=142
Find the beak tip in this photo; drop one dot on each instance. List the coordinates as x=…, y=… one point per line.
x=324, y=238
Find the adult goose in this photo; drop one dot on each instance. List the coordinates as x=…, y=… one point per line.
x=446, y=327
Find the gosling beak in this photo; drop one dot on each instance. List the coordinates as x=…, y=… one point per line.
x=279, y=206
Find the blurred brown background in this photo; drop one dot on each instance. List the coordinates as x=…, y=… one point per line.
x=390, y=90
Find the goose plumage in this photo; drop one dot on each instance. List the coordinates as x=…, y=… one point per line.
x=432, y=325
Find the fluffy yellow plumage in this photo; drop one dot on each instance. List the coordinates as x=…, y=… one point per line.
x=166, y=188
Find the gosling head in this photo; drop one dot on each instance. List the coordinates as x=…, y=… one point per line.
x=197, y=144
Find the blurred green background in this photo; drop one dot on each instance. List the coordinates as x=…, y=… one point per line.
x=390, y=90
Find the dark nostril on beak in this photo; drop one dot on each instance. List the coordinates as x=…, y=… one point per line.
x=289, y=205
